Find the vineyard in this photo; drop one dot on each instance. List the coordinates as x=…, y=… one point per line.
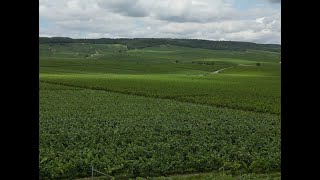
x=157, y=111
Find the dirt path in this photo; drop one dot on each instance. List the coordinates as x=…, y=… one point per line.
x=218, y=71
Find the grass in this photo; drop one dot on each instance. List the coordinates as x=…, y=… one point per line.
x=221, y=176
x=139, y=136
x=158, y=111
x=255, y=93
x=206, y=176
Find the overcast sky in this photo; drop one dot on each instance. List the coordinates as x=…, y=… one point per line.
x=233, y=20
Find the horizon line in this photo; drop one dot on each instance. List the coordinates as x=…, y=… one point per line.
x=162, y=38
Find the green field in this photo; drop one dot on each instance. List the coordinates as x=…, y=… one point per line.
x=157, y=111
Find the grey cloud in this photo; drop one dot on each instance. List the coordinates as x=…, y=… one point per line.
x=186, y=18
x=125, y=7
x=275, y=1
x=197, y=19
x=192, y=11
x=181, y=19
x=171, y=11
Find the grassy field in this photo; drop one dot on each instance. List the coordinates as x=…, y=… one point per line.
x=157, y=111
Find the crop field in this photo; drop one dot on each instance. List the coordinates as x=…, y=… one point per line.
x=157, y=111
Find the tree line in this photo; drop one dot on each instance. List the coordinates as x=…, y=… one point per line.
x=137, y=43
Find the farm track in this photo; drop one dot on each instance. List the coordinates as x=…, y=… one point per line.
x=155, y=97
x=218, y=71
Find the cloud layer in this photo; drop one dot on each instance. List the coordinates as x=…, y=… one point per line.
x=199, y=19
x=275, y=1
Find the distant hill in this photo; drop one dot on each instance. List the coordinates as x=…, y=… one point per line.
x=137, y=43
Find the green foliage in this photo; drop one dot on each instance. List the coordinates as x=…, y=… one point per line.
x=260, y=94
x=80, y=127
x=204, y=62
x=139, y=114
x=137, y=43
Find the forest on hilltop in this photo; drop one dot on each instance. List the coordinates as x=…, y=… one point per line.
x=138, y=43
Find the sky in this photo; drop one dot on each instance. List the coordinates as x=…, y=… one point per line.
x=256, y=21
